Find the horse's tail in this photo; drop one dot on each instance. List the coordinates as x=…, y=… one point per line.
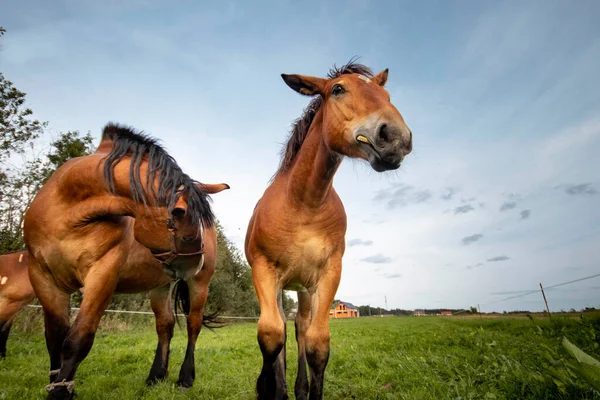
x=182, y=303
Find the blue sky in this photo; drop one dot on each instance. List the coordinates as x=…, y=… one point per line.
x=503, y=98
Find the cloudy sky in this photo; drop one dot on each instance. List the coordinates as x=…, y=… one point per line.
x=500, y=193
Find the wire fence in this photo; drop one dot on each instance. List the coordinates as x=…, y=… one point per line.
x=530, y=292
x=525, y=293
x=150, y=313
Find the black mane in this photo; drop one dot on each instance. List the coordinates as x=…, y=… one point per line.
x=301, y=125
x=127, y=142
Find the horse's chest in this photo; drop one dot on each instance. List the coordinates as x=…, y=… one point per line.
x=305, y=250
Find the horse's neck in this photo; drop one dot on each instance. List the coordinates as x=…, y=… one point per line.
x=311, y=175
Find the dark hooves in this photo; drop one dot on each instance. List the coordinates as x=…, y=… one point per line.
x=184, y=386
x=183, y=389
x=60, y=394
x=151, y=381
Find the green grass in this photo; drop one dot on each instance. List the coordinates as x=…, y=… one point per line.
x=371, y=358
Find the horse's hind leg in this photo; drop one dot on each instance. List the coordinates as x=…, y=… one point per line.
x=271, y=334
x=198, y=291
x=55, y=303
x=282, y=357
x=163, y=312
x=4, y=331
x=317, y=335
x=8, y=309
x=302, y=322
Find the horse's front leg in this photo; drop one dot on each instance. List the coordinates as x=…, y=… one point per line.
x=99, y=286
x=317, y=335
x=55, y=302
x=165, y=321
x=271, y=333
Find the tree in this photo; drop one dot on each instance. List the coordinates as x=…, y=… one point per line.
x=22, y=170
x=231, y=290
x=17, y=127
x=20, y=184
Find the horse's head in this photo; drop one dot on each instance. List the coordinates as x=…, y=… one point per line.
x=358, y=118
x=185, y=256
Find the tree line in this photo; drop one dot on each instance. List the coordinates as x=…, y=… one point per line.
x=26, y=163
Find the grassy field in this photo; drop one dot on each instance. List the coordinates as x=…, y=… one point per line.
x=371, y=358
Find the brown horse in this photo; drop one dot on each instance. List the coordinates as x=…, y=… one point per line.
x=295, y=238
x=15, y=291
x=123, y=219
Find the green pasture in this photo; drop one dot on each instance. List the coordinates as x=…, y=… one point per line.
x=371, y=358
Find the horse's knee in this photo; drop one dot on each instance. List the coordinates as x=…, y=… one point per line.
x=271, y=336
x=164, y=329
x=317, y=347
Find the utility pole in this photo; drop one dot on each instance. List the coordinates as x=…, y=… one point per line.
x=369, y=310
x=479, y=310
x=545, y=301
x=386, y=306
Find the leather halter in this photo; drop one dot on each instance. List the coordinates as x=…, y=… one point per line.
x=168, y=257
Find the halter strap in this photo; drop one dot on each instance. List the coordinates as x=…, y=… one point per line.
x=167, y=257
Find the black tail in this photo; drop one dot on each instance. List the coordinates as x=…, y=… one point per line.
x=181, y=293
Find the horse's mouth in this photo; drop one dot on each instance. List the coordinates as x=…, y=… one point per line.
x=378, y=163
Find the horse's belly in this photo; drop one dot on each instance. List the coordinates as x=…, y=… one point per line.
x=140, y=278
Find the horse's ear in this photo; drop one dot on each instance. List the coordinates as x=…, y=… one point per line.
x=381, y=77
x=211, y=188
x=306, y=85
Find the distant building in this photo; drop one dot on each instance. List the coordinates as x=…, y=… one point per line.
x=344, y=310
x=446, y=312
x=418, y=313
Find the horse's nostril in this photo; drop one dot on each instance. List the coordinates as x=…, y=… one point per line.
x=383, y=132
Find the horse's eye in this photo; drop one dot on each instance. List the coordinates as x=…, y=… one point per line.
x=337, y=90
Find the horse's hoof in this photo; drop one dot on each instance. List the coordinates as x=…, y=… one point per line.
x=183, y=389
x=60, y=394
x=183, y=385
x=151, y=381
x=62, y=390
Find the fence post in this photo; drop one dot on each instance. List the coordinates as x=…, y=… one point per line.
x=545, y=301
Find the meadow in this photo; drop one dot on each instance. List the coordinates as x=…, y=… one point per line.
x=371, y=358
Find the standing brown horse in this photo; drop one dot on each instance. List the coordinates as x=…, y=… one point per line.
x=15, y=291
x=126, y=219
x=295, y=239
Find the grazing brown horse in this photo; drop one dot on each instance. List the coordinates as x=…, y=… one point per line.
x=125, y=219
x=15, y=291
x=295, y=238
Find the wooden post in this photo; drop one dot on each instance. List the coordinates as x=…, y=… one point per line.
x=545, y=301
